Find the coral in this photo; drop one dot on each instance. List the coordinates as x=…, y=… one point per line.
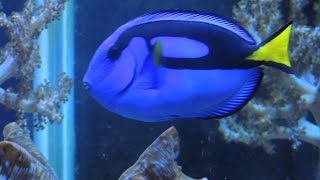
x=158, y=160
x=281, y=107
x=19, y=157
x=20, y=57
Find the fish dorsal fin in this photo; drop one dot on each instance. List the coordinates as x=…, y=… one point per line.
x=191, y=16
x=238, y=100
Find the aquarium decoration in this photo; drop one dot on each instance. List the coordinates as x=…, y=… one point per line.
x=158, y=160
x=287, y=108
x=57, y=51
x=19, y=157
x=34, y=94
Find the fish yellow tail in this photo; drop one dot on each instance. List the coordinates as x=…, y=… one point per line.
x=274, y=50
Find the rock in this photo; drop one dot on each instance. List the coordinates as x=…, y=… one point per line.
x=158, y=160
x=19, y=157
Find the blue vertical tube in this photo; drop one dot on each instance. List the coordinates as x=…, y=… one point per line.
x=57, y=141
x=68, y=132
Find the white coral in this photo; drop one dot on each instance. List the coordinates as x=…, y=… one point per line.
x=20, y=57
x=280, y=110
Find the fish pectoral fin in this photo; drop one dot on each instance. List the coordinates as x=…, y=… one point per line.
x=157, y=54
x=237, y=100
x=150, y=75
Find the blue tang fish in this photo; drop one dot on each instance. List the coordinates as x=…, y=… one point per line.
x=181, y=64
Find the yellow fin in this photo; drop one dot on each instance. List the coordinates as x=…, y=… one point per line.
x=157, y=53
x=275, y=49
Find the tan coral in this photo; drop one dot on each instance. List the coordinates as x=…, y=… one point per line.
x=158, y=160
x=19, y=157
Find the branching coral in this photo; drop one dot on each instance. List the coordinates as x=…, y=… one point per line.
x=158, y=160
x=280, y=108
x=20, y=57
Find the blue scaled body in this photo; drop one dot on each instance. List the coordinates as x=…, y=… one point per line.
x=169, y=65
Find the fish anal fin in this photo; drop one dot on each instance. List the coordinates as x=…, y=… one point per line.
x=237, y=100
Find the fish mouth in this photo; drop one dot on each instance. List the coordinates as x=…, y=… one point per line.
x=86, y=82
x=86, y=85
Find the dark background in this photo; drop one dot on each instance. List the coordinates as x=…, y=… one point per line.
x=108, y=144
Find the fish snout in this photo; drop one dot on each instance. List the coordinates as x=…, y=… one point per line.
x=86, y=86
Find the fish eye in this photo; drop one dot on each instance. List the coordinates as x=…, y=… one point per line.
x=114, y=52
